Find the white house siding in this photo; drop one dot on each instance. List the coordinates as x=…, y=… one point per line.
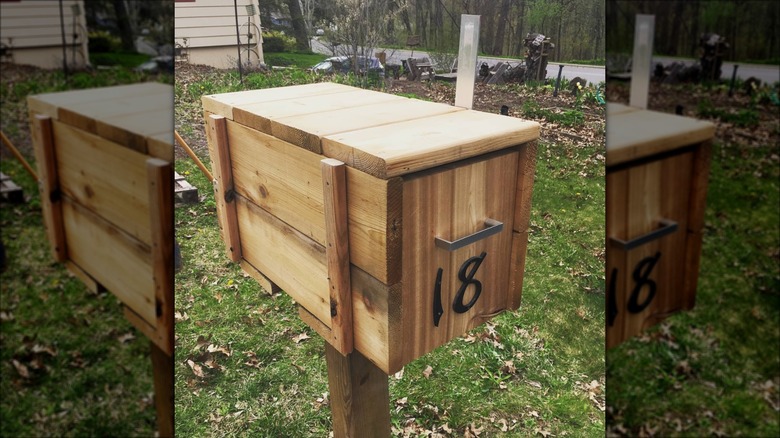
x=207, y=30
x=31, y=32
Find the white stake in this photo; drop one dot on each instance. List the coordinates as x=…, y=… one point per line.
x=467, y=60
x=640, y=62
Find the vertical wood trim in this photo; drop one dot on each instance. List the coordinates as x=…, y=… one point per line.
x=224, y=188
x=360, y=397
x=519, y=249
x=49, y=185
x=334, y=187
x=162, y=368
x=160, y=176
x=525, y=184
x=698, y=200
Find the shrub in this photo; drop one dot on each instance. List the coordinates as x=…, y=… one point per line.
x=101, y=41
x=277, y=41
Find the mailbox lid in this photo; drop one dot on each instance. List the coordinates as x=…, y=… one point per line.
x=637, y=134
x=137, y=116
x=406, y=147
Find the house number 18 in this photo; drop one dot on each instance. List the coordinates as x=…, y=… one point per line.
x=466, y=276
x=642, y=278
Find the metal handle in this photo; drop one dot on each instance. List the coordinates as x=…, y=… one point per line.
x=667, y=227
x=493, y=227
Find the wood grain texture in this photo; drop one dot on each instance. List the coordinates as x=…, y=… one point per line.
x=637, y=134
x=616, y=223
x=162, y=367
x=525, y=184
x=224, y=187
x=260, y=115
x=49, y=185
x=377, y=322
x=129, y=115
x=105, y=177
x=290, y=259
x=307, y=130
x=702, y=158
x=223, y=104
x=360, y=396
x=613, y=109
x=414, y=145
x=517, y=266
x=269, y=286
x=160, y=177
x=114, y=258
x=450, y=204
x=334, y=186
x=91, y=284
x=638, y=198
x=50, y=103
x=286, y=181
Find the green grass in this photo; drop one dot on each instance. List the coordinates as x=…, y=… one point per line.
x=293, y=59
x=70, y=364
x=80, y=380
x=746, y=117
x=599, y=61
x=127, y=60
x=715, y=370
x=537, y=370
x=570, y=117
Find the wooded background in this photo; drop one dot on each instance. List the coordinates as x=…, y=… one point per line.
x=575, y=26
x=750, y=27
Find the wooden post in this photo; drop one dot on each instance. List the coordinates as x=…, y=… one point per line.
x=162, y=367
x=224, y=190
x=359, y=396
x=51, y=196
x=334, y=185
x=160, y=174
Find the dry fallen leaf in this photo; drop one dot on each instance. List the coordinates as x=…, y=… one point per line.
x=197, y=369
x=127, y=337
x=215, y=348
x=21, y=369
x=300, y=338
x=37, y=348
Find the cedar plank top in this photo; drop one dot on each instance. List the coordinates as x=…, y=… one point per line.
x=223, y=104
x=638, y=134
x=614, y=109
x=119, y=107
x=379, y=133
x=405, y=147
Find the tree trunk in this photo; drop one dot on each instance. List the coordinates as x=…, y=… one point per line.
x=299, y=25
x=125, y=28
x=498, y=41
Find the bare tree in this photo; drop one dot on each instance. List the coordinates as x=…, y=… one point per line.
x=361, y=25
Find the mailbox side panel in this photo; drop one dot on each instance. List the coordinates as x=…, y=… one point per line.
x=448, y=292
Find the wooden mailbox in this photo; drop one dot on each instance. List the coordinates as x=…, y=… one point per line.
x=396, y=224
x=657, y=171
x=105, y=160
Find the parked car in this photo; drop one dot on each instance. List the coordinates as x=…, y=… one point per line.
x=343, y=64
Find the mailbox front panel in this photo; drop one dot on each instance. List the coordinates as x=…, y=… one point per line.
x=457, y=249
x=647, y=231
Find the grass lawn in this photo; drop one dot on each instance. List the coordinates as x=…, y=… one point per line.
x=288, y=59
x=715, y=371
x=247, y=366
x=71, y=365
